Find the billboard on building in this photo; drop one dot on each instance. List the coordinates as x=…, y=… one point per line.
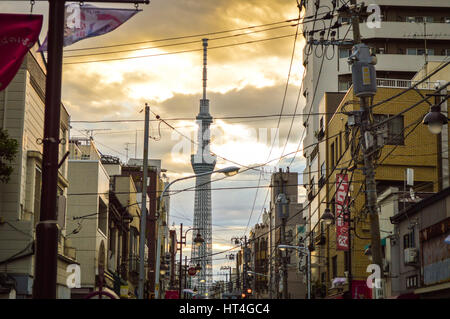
x=342, y=200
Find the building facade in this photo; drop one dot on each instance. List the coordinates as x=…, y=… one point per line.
x=22, y=116
x=421, y=250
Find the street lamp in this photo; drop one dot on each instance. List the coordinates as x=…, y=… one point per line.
x=328, y=217
x=228, y=171
x=198, y=240
x=308, y=253
x=435, y=119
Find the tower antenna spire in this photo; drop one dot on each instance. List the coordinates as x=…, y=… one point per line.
x=205, y=65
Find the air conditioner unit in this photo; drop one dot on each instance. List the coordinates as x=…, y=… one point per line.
x=410, y=255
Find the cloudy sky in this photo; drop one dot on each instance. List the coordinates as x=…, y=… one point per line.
x=243, y=80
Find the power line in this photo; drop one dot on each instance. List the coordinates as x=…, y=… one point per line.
x=180, y=43
x=192, y=36
x=182, y=51
x=261, y=116
x=279, y=119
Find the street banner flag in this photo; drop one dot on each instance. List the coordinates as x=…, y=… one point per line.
x=88, y=21
x=341, y=214
x=18, y=33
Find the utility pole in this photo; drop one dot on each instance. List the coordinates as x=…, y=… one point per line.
x=238, y=283
x=143, y=226
x=283, y=214
x=181, y=261
x=244, y=268
x=47, y=229
x=364, y=86
x=271, y=257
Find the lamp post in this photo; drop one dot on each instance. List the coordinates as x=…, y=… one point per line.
x=198, y=242
x=329, y=218
x=228, y=171
x=229, y=283
x=308, y=254
x=435, y=119
x=243, y=242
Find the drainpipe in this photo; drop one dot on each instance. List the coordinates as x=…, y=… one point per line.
x=444, y=140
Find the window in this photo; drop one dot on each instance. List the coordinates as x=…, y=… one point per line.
x=332, y=155
x=322, y=170
x=344, y=53
x=312, y=186
x=422, y=51
x=337, y=151
x=393, y=129
x=408, y=240
x=334, y=266
x=411, y=51
x=411, y=281
x=133, y=253
x=347, y=136
x=344, y=85
x=419, y=51
x=102, y=216
x=419, y=19
x=37, y=194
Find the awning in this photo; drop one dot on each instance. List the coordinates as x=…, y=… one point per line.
x=383, y=243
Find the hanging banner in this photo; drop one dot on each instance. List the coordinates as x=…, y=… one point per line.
x=87, y=21
x=18, y=33
x=342, y=200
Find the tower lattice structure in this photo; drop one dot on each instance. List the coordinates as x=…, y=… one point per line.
x=202, y=162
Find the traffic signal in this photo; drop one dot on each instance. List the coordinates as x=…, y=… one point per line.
x=243, y=296
x=249, y=291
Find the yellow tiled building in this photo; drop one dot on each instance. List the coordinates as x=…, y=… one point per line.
x=408, y=144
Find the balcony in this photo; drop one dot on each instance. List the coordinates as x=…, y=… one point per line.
x=404, y=84
x=407, y=30
x=394, y=63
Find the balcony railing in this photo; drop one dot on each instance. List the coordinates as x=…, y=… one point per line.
x=404, y=84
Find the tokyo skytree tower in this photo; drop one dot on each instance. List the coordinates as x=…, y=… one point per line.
x=202, y=161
